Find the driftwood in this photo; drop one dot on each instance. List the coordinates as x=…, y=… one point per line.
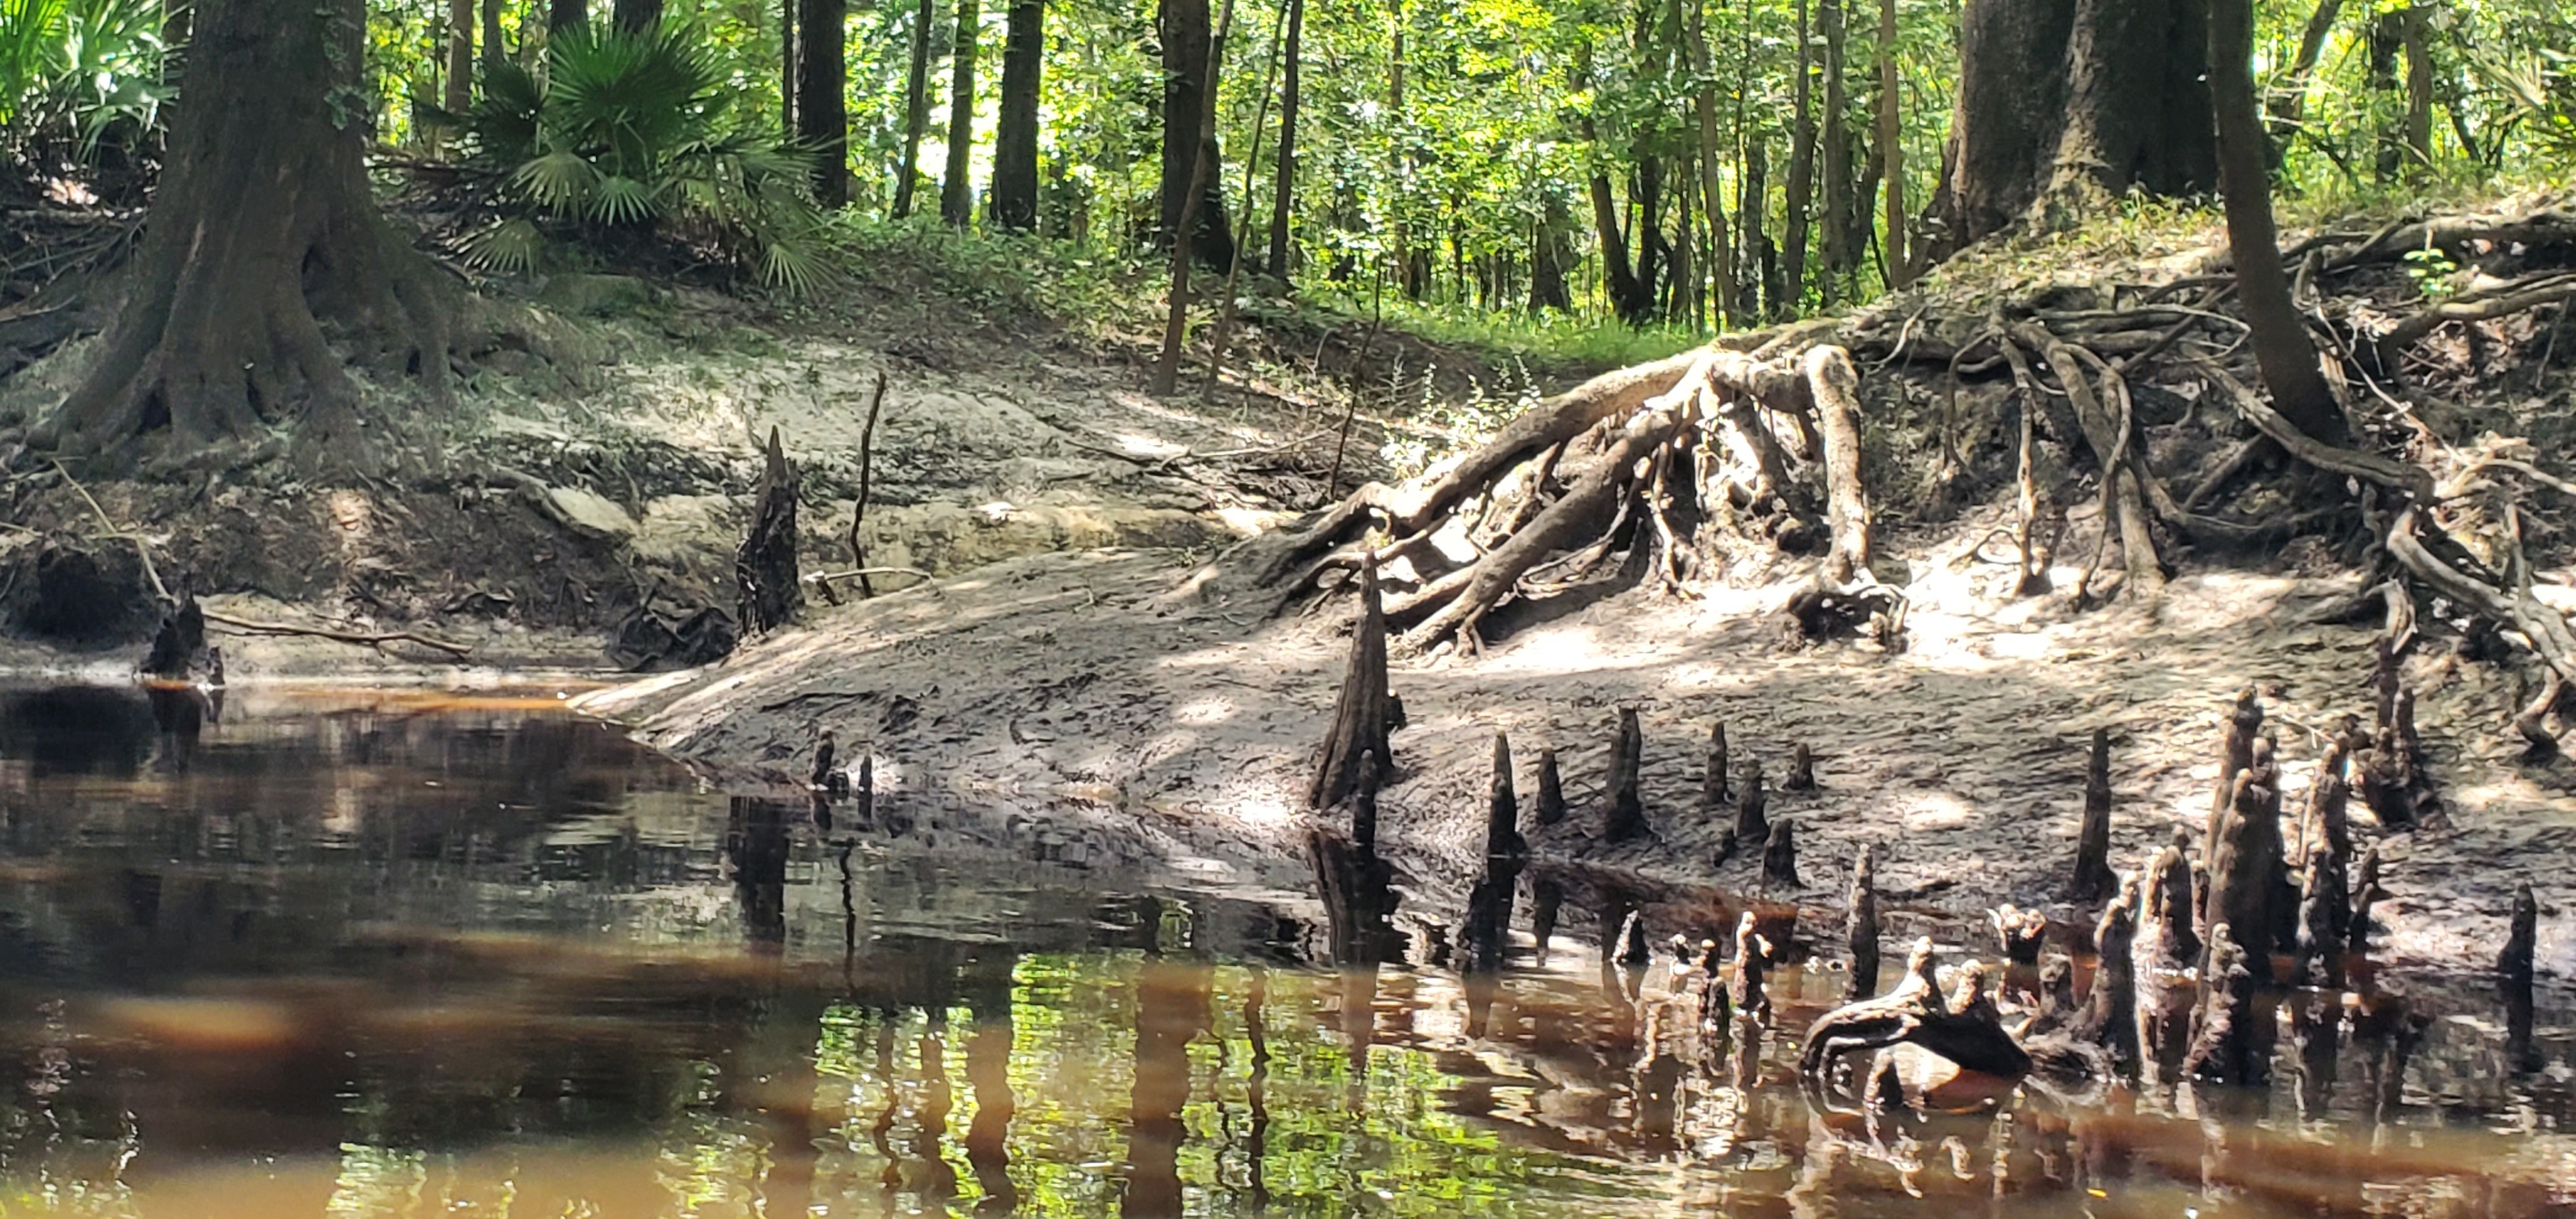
x=1860, y=926
x=2093, y=879
x=372, y=639
x=1625, y=817
x=1360, y=728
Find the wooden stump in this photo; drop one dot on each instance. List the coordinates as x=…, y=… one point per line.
x=2093, y=879
x=1502, y=811
x=1860, y=926
x=1802, y=770
x=1361, y=714
x=1780, y=857
x=1750, y=800
x=1551, y=789
x=1713, y=793
x=1626, y=818
x=765, y=579
x=2517, y=963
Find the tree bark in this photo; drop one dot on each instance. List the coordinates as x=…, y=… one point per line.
x=262, y=232
x=492, y=50
x=1186, y=135
x=822, y=111
x=956, y=189
x=1840, y=201
x=2417, y=33
x=566, y=15
x=1802, y=180
x=916, y=108
x=1283, y=186
x=637, y=16
x=1891, y=147
x=1015, y=143
x=2280, y=337
x=2065, y=104
x=1550, y=255
x=460, y=56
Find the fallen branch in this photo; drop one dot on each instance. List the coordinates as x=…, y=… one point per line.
x=867, y=467
x=363, y=638
x=142, y=548
x=2530, y=294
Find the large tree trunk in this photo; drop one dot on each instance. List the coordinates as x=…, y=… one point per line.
x=2281, y=345
x=822, y=111
x=262, y=229
x=2417, y=33
x=637, y=16
x=1284, y=182
x=1186, y=42
x=916, y=108
x=2066, y=104
x=956, y=190
x=1015, y=143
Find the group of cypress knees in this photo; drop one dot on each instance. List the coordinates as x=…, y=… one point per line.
x=2185, y=946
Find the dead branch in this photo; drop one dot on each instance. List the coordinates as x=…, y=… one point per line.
x=867, y=468
x=337, y=635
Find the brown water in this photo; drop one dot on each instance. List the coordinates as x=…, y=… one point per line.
x=341, y=954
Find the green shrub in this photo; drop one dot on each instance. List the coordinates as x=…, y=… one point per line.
x=627, y=133
x=75, y=74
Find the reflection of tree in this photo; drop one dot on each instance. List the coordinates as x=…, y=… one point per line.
x=988, y=1071
x=756, y=847
x=1171, y=1011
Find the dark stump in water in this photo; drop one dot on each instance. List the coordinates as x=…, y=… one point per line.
x=765, y=577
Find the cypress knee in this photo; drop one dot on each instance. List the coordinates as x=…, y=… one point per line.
x=1780, y=857
x=1362, y=714
x=1627, y=814
x=1802, y=770
x=2093, y=879
x=1860, y=926
x=1551, y=789
x=2517, y=964
x=1502, y=810
x=1750, y=824
x=1713, y=792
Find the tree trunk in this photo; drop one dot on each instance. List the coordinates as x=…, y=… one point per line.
x=2066, y=104
x=1840, y=203
x=2417, y=33
x=1761, y=294
x=214, y=346
x=637, y=16
x=1284, y=182
x=1550, y=255
x=1015, y=143
x=822, y=113
x=956, y=190
x=491, y=31
x=1802, y=175
x=1891, y=147
x=460, y=56
x=2289, y=94
x=566, y=15
x=1186, y=46
x=1721, y=241
x=2280, y=337
x=916, y=108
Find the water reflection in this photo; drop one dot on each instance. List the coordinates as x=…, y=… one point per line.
x=393, y=956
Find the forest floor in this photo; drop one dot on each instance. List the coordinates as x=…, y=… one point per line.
x=1041, y=670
